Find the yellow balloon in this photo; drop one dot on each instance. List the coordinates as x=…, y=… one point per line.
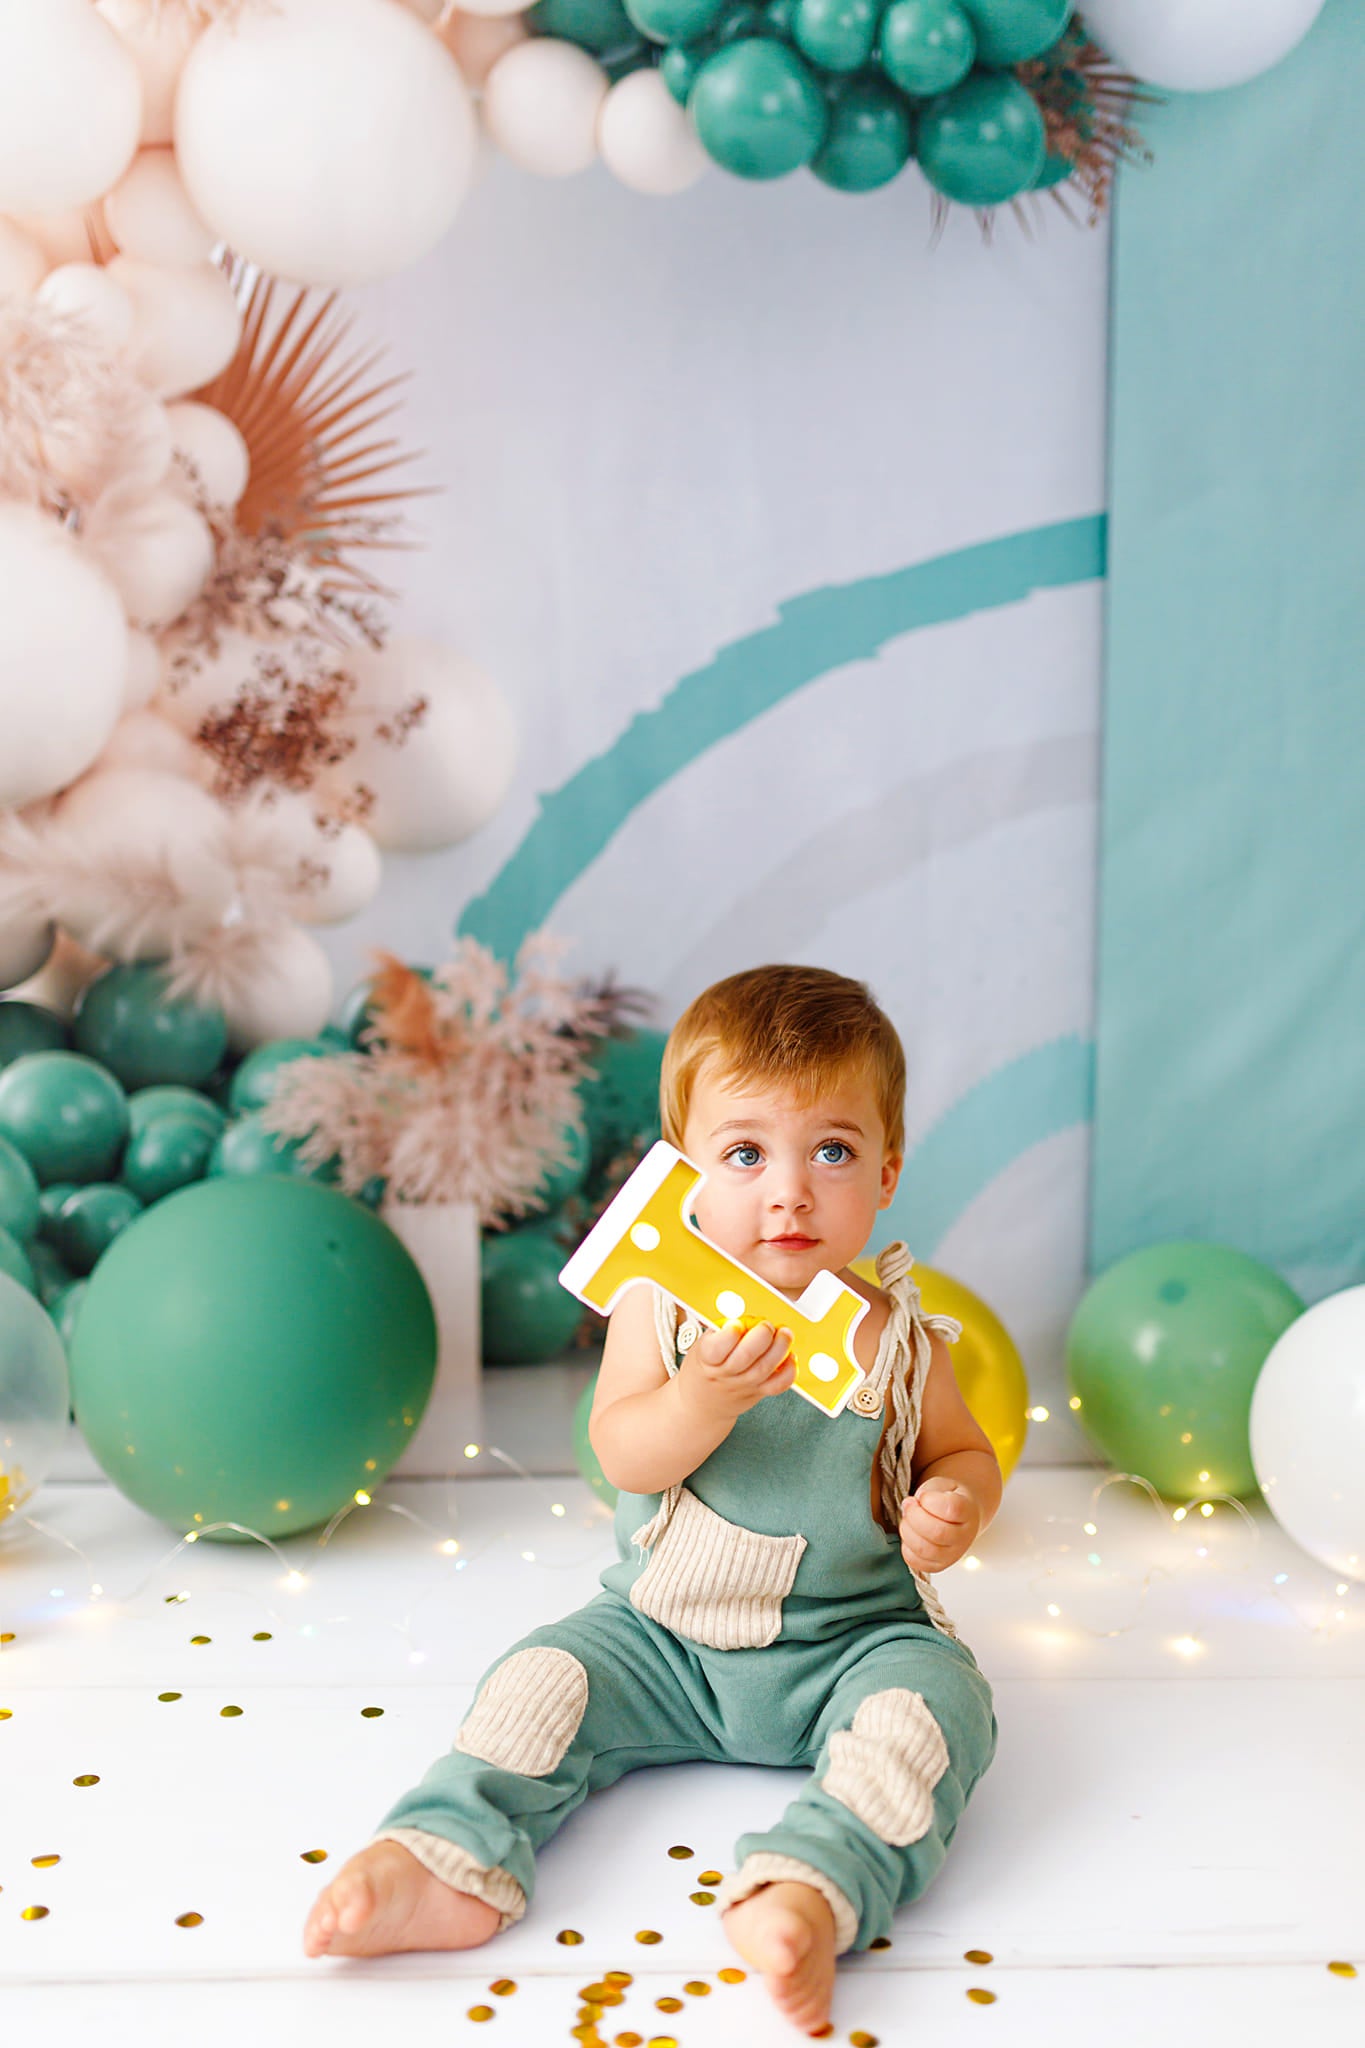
x=990, y=1373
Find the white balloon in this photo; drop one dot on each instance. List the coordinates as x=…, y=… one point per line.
x=328, y=141
x=452, y=771
x=64, y=237
x=492, y=8
x=198, y=681
x=157, y=35
x=22, y=262
x=69, y=969
x=158, y=552
x=70, y=105
x=150, y=816
x=143, y=740
x=1199, y=45
x=144, y=671
x=186, y=322
x=540, y=105
x=1308, y=1431
x=476, y=41
x=213, y=445
x=63, y=656
x=149, y=215
x=646, y=139
x=88, y=293
x=320, y=876
x=290, y=995
x=25, y=946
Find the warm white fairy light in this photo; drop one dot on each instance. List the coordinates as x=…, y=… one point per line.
x=1039, y=1415
x=1090, y=1528
x=362, y=1499
x=1206, y=1509
x=1179, y=1515
x=557, y=1507
x=294, y=1582
x=1074, y=1402
x=1053, y=1611
x=529, y=1556
x=1188, y=1646
x=450, y=1548
x=971, y=1564
x=471, y=1450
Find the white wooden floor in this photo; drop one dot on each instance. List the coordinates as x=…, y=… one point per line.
x=1167, y=1847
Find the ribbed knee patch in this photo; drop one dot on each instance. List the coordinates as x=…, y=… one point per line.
x=885, y=1767
x=527, y=1712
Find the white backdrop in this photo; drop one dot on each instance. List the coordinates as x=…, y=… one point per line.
x=654, y=422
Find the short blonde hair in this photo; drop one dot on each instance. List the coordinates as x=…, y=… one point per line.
x=795, y=1028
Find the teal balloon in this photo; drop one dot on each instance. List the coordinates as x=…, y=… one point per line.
x=67, y=1115
x=64, y=1307
x=871, y=134
x=679, y=65
x=926, y=46
x=334, y=1038
x=527, y=1315
x=748, y=18
x=149, y=1105
x=1056, y=170
x=675, y=21
x=779, y=18
x=28, y=1027
x=252, y=1351
x=758, y=110
x=836, y=35
x=167, y=1153
x=984, y=142
x=596, y=25
x=50, y=1273
x=585, y=1457
x=554, y=1188
x=637, y=55
x=1162, y=1357
x=15, y=1261
x=89, y=1222
x=1013, y=31
x=125, y=1020
x=50, y=1204
x=253, y=1084
x=247, y=1148
x=20, y=1199
x=620, y=1093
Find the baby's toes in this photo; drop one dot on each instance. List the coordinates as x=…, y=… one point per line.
x=320, y=1925
x=353, y=1895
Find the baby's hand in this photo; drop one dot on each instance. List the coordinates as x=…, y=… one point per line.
x=939, y=1524
x=729, y=1370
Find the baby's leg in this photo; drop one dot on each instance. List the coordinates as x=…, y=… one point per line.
x=573, y=1707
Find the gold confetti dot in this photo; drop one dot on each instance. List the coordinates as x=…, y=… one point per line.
x=702, y=1898
x=823, y=2033
x=648, y=1936
x=731, y=1976
x=669, y=2004
x=599, y=1995
x=662, y=2041
x=504, y=1987
x=6, y=1713
x=44, y=1862
x=589, y=2014
x=174, y=1599
x=189, y=1919
x=370, y=1713
x=696, y=1989
x=229, y=1713
x=859, y=2038
x=630, y=2041
x=880, y=1942
x=569, y=1936
x=978, y=1955
x=481, y=2012
x=34, y=1913
x=86, y=1778
x=1342, y=1969
x=7, y=1636
x=979, y=1997
x=680, y=1852
x=263, y=1636
x=709, y=1877
x=619, y=1978
x=201, y=1639
x=313, y=1856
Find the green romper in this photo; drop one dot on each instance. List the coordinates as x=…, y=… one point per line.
x=757, y=1614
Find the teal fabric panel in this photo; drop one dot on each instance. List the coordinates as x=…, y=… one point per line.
x=1230, y=1073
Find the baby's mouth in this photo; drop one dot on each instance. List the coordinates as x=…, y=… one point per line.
x=792, y=1244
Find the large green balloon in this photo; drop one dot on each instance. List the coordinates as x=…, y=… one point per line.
x=1163, y=1354
x=166, y=1153
x=984, y=142
x=149, y=1105
x=1012, y=31
x=89, y=1221
x=871, y=132
x=66, y=1114
x=758, y=109
x=253, y=1084
x=125, y=1020
x=596, y=25
x=837, y=35
x=28, y=1027
x=252, y=1351
x=675, y=21
x=20, y=1202
x=527, y=1315
x=926, y=46
x=584, y=1455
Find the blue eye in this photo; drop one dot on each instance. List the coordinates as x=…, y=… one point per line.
x=745, y=1155
x=834, y=1145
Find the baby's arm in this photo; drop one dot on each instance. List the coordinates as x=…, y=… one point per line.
x=957, y=1478
x=651, y=1431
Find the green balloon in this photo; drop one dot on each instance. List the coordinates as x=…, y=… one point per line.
x=1162, y=1357
x=125, y=1020
x=1056, y=170
x=636, y=55
x=20, y=1201
x=596, y=25
x=836, y=34
x=871, y=133
x=64, y=1307
x=555, y=1188
x=247, y=1148
x=15, y=1261
x=253, y=1084
x=89, y=1222
x=50, y=1204
x=166, y=1154
x=28, y=1027
x=149, y=1105
x=584, y=1455
x=679, y=65
x=984, y=142
x=620, y=1093
x=747, y=18
x=926, y=46
x=675, y=21
x=1013, y=31
x=50, y=1273
x=758, y=109
x=779, y=17
x=527, y=1315
x=357, y=1021
x=66, y=1114
x=252, y=1351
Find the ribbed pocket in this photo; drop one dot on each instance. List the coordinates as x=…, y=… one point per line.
x=711, y=1581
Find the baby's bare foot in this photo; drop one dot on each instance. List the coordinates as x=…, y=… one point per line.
x=787, y=1932
x=384, y=1900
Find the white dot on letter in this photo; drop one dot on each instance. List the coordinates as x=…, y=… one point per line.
x=645, y=1236
x=823, y=1366
x=730, y=1303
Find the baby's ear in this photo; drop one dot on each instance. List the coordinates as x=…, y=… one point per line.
x=891, y=1173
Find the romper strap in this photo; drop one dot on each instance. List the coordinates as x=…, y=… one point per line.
x=666, y=1314
x=903, y=1361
